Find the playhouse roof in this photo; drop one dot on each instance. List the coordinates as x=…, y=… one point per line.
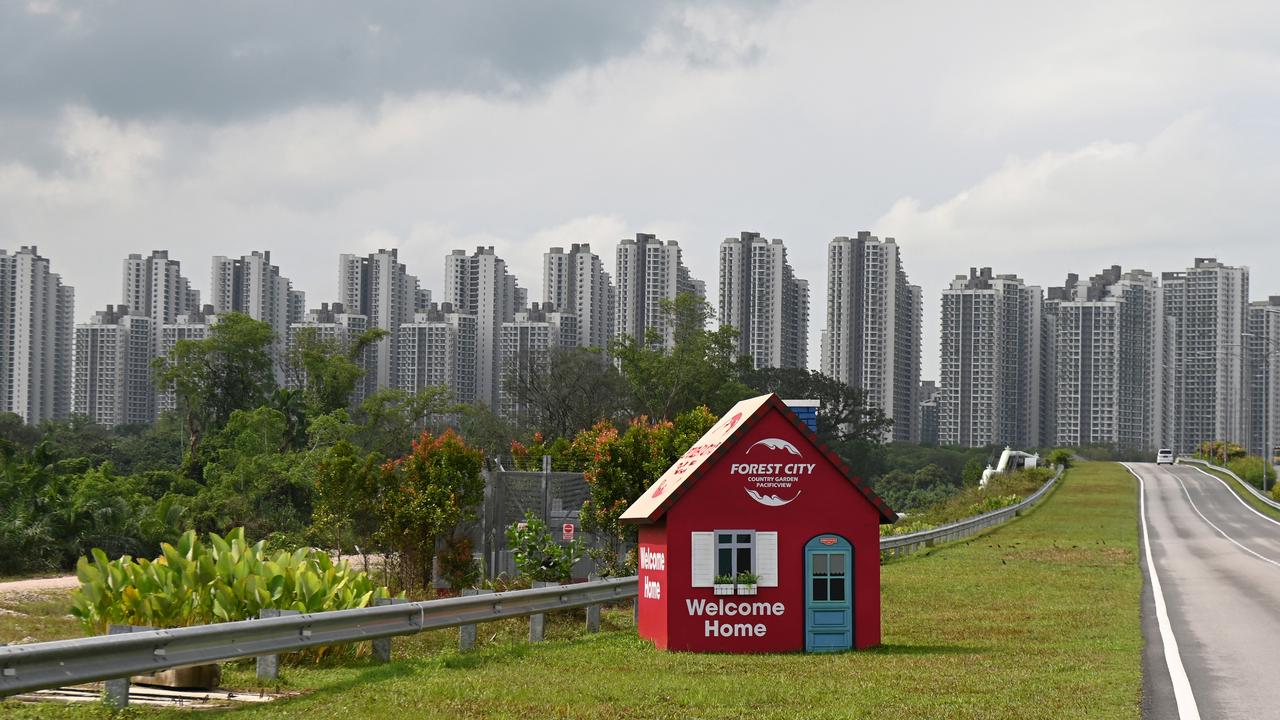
x=712, y=446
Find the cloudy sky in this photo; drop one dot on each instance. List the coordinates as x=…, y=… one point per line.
x=1039, y=138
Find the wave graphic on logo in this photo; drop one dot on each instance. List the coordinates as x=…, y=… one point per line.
x=770, y=500
x=776, y=444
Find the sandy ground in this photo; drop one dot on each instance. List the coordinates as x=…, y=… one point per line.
x=37, y=585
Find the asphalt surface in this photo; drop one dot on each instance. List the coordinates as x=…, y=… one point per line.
x=1217, y=564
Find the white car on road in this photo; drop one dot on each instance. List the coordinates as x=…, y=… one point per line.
x=1164, y=456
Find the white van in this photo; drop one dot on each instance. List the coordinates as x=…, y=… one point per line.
x=1164, y=456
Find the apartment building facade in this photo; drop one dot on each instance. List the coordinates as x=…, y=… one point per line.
x=528, y=342
x=479, y=284
x=1108, y=350
x=113, y=368
x=37, y=337
x=762, y=298
x=439, y=349
x=1209, y=302
x=379, y=287
x=1262, y=352
x=990, y=385
x=576, y=282
x=649, y=271
x=872, y=336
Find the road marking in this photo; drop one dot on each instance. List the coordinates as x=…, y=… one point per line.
x=1236, y=495
x=1182, y=695
x=1220, y=532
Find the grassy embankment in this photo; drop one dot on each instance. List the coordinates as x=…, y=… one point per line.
x=1038, y=618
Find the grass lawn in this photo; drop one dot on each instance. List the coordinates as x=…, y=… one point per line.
x=38, y=615
x=1244, y=494
x=1036, y=619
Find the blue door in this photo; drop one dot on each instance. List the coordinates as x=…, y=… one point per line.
x=828, y=594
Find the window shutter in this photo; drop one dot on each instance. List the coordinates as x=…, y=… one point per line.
x=703, y=562
x=767, y=558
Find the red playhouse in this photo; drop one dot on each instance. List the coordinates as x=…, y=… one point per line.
x=759, y=539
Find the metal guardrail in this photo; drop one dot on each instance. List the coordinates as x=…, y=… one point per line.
x=37, y=666
x=905, y=544
x=1247, y=485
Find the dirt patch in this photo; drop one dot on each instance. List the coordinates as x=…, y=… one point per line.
x=1078, y=556
x=38, y=585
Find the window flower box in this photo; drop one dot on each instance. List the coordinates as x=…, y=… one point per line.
x=746, y=583
x=724, y=585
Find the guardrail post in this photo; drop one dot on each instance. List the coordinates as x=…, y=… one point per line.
x=382, y=646
x=115, y=693
x=467, y=633
x=269, y=665
x=538, y=622
x=593, y=611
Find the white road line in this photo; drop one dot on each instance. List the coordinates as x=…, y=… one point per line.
x=1220, y=532
x=1236, y=495
x=1182, y=695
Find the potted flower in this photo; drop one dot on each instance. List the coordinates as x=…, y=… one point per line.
x=724, y=585
x=746, y=583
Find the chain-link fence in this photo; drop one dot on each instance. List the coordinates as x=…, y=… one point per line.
x=556, y=497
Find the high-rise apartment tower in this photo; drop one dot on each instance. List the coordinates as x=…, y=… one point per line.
x=113, y=368
x=576, y=282
x=379, y=287
x=36, y=337
x=872, y=338
x=1208, y=302
x=649, y=271
x=1108, y=349
x=762, y=298
x=991, y=366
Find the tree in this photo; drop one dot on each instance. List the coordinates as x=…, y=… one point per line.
x=703, y=368
x=251, y=480
x=389, y=419
x=328, y=370
x=424, y=496
x=619, y=466
x=77, y=436
x=844, y=415
x=212, y=378
x=576, y=388
x=14, y=430
x=346, y=484
x=972, y=473
x=916, y=490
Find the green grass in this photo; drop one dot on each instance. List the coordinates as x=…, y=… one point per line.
x=1241, y=492
x=1038, y=618
x=38, y=615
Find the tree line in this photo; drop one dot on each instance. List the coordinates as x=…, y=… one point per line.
x=396, y=473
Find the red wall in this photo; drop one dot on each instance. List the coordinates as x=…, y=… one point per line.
x=653, y=611
x=826, y=504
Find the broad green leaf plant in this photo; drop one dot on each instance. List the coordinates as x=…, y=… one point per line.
x=219, y=580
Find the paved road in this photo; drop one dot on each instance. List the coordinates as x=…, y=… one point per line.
x=1217, y=574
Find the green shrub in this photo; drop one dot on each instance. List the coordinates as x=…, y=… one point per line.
x=1060, y=456
x=1000, y=492
x=457, y=563
x=537, y=554
x=220, y=580
x=1251, y=469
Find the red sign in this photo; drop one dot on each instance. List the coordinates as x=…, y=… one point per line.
x=568, y=531
x=828, y=541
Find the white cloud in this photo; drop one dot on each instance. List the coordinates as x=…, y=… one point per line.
x=1037, y=138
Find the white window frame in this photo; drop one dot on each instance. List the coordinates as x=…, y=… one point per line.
x=705, y=556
